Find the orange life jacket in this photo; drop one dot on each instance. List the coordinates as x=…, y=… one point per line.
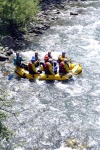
x=59, y=59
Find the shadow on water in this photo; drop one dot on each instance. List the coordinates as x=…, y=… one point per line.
x=18, y=78
x=31, y=80
x=67, y=81
x=51, y=82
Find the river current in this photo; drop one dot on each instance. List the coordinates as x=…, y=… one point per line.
x=50, y=113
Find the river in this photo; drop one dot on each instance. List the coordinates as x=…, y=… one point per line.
x=50, y=113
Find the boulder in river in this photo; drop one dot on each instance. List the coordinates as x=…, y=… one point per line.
x=7, y=41
x=3, y=57
x=73, y=13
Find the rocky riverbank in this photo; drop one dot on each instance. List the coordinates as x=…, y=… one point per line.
x=50, y=10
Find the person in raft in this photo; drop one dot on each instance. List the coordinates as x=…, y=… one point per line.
x=62, y=58
x=31, y=67
x=17, y=60
x=37, y=60
x=63, y=67
x=48, y=67
x=49, y=56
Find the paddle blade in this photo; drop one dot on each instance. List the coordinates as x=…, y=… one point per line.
x=11, y=76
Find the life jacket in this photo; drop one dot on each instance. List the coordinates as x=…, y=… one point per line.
x=59, y=59
x=46, y=66
x=36, y=58
x=30, y=66
x=15, y=61
x=61, y=67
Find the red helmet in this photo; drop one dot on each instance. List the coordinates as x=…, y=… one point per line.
x=46, y=58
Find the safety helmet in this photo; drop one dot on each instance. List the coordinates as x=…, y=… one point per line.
x=49, y=53
x=36, y=53
x=46, y=58
x=63, y=53
x=32, y=60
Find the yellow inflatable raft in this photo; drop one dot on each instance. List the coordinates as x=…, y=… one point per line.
x=75, y=69
x=55, y=77
x=24, y=73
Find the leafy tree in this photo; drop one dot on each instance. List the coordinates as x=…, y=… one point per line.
x=17, y=13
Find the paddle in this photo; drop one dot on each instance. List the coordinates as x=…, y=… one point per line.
x=55, y=69
x=11, y=76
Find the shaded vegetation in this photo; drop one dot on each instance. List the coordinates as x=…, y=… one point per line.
x=16, y=15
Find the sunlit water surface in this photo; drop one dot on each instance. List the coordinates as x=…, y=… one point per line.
x=49, y=113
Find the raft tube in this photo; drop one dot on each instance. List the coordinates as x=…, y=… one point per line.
x=55, y=77
x=76, y=69
x=24, y=73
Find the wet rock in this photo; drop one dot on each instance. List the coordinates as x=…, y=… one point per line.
x=7, y=51
x=72, y=143
x=18, y=44
x=1, y=48
x=56, y=11
x=3, y=57
x=39, y=28
x=7, y=41
x=73, y=13
x=73, y=0
x=75, y=144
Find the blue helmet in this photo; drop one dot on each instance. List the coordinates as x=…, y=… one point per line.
x=63, y=53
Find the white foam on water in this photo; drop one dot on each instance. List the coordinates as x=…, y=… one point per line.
x=97, y=108
x=40, y=82
x=96, y=92
x=49, y=42
x=77, y=89
x=93, y=44
x=18, y=148
x=95, y=24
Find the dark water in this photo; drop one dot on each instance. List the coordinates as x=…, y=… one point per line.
x=49, y=113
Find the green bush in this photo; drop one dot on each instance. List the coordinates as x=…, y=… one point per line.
x=16, y=14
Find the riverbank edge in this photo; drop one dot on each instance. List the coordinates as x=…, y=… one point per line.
x=44, y=20
x=48, y=14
